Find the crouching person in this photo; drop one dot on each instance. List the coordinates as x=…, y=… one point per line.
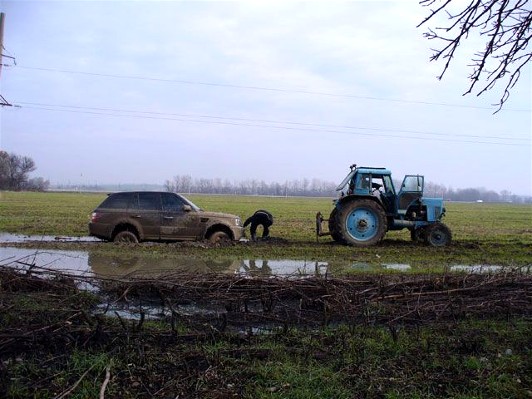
x=259, y=218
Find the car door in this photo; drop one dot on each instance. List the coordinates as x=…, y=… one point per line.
x=148, y=214
x=178, y=220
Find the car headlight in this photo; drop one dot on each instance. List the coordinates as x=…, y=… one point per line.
x=238, y=222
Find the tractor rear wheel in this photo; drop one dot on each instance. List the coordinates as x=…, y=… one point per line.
x=333, y=226
x=438, y=235
x=361, y=222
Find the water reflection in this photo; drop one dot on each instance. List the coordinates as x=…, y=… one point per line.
x=284, y=267
x=132, y=265
x=18, y=238
x=135, y=266
x=129, y=265
x=138, y=266
x=72, y=262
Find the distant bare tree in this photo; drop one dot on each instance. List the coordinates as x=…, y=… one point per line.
x=5, y=169
x=506, y=25
x=36, y=184
x=14, y=170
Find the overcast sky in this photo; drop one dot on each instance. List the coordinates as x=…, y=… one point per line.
x=138, y=92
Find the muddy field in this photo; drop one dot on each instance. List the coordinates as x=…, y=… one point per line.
x=219, y=336
x=285, y=318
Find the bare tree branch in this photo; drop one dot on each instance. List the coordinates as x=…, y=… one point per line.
x=507, y=27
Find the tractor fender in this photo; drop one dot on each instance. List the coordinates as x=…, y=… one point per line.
x=349, y=198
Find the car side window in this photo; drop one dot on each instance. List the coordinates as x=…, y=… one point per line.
x=149, y=201
x=118, y=201
x=172, y=203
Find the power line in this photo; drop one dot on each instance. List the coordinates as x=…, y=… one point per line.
x=277, y=122
x=373, y=135
x=261, y=88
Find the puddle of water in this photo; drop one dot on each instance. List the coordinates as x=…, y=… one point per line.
x=18, y=238
x=362, y=267
x=284, y=267
x=476, y=269
x=482, y=269
x=91, y=263
x=397, y=266
x=110, y=266
x=71, y=262
x=366, y=267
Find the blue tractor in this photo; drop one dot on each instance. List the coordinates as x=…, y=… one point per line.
x=369, y=205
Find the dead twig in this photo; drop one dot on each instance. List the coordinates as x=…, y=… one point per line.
x=64, y=394
x=105, y=381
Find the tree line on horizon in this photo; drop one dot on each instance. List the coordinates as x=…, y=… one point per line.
x=15, y=170
x=185, y=184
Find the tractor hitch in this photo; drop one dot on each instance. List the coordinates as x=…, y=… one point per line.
x=319, y=227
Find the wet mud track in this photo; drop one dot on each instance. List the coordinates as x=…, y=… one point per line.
x=245, y=318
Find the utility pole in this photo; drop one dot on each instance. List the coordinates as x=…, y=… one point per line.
x=3, y=101
x=2, y=17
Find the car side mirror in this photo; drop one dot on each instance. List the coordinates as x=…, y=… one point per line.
x=187, y=208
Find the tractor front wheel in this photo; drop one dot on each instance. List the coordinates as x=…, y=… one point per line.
x=361, y=222
x=438, y=235
x=418, y=234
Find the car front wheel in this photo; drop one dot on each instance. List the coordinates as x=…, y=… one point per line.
x=219, y=236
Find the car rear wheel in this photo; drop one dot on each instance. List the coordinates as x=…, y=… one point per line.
x=126, y=236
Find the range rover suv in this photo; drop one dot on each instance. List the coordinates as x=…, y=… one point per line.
x=136, y=216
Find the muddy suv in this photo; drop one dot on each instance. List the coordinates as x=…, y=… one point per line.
x=159, y=216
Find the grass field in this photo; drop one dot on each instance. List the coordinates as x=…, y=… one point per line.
x=472, y=344
x=492, y=234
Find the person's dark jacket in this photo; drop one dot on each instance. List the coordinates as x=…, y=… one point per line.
x=262, y=217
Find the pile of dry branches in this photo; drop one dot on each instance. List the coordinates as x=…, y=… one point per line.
x=207, y=304
x=368, y=299
x=45, y=315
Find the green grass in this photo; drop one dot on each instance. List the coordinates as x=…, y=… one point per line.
x=459, y=359
x=79, y=365
x=499, y=234
x=47, y=213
